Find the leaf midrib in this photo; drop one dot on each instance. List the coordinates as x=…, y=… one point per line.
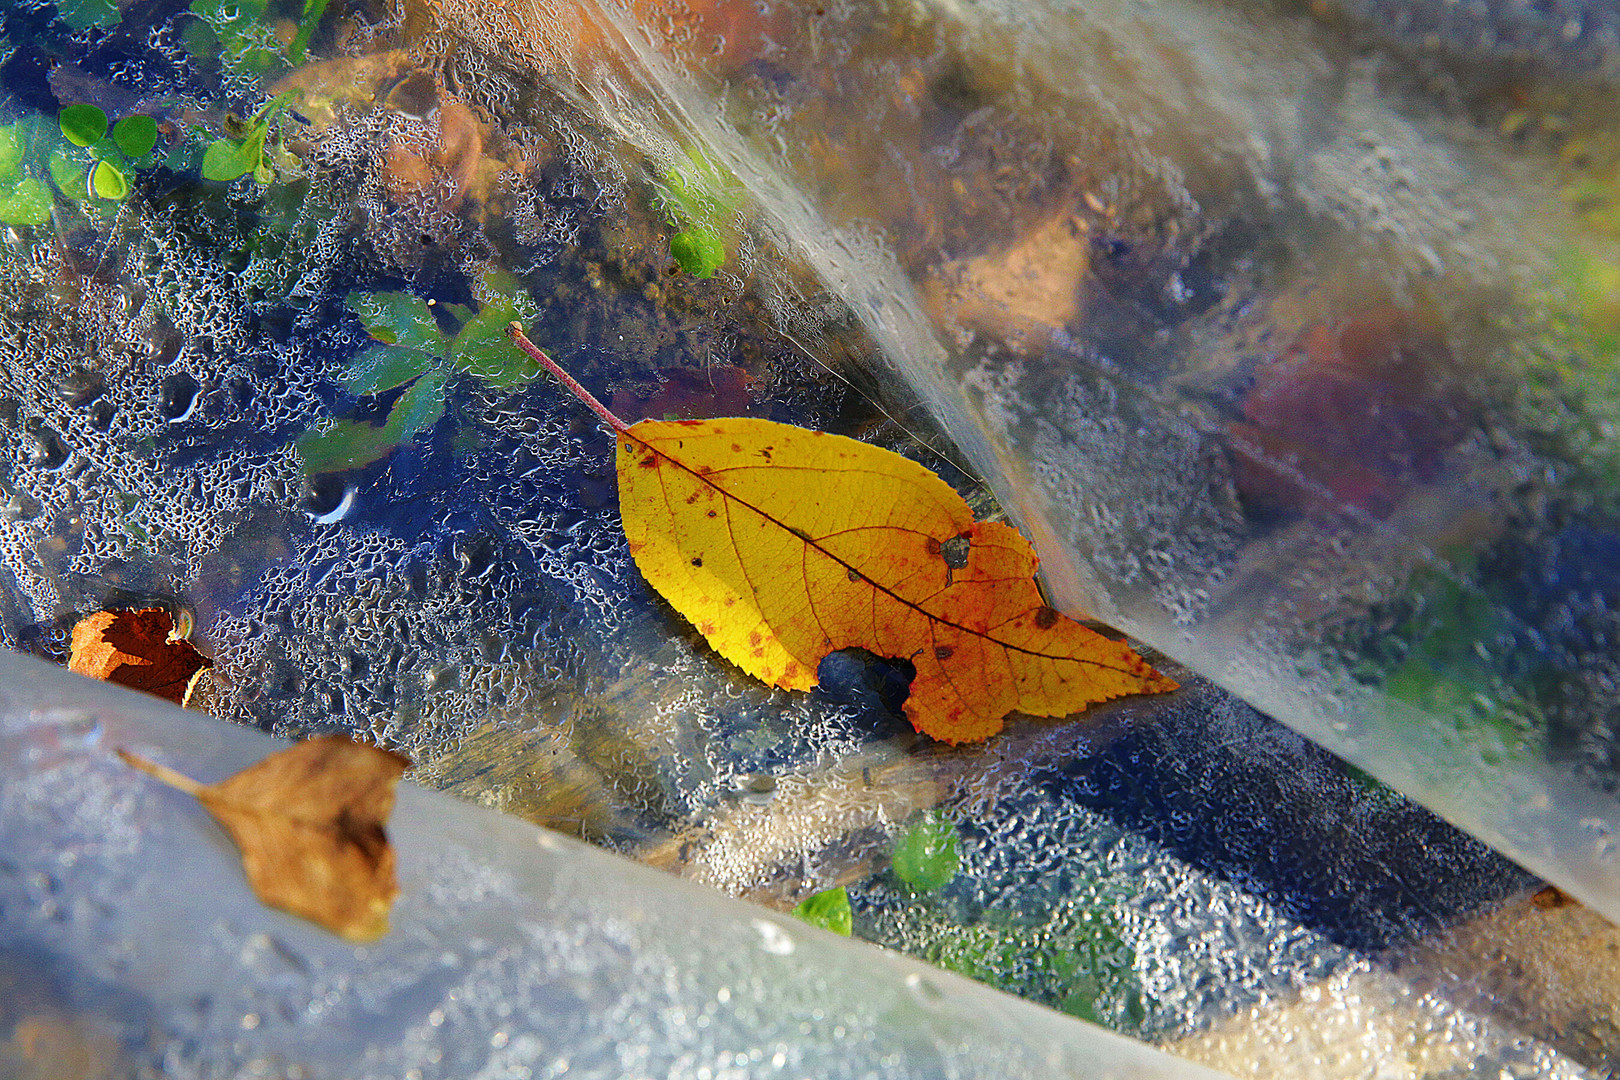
x=704, y=478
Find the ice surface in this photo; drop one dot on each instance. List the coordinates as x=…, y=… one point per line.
x=129, y=931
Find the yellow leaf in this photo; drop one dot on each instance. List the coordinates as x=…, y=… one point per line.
x=309, y=823
x=782, y=544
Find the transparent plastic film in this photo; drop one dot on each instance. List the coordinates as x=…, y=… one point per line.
x=1289, y=339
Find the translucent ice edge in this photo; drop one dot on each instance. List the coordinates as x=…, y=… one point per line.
x=513, y=951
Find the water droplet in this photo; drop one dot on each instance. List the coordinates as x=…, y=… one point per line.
x=69, y=725
x=759, y=788
x=772, y=938
x=21, y=507
x=178, y=395
x=328, y=500
x=443, y=677
x=50, y=452
x=924, y=988
x=80, y=387
x=475, y=555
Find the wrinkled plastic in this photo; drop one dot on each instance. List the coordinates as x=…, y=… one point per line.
x=129, y=935
x=1286, y=334
x=1107, y=332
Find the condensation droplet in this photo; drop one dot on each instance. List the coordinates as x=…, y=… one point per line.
x=773, y=939
x=178, y=395
x=21, y=507
x=50, y=451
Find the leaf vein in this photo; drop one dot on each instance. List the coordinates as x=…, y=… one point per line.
x=731, y=497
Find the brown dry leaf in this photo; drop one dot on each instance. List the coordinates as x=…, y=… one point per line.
x=309, y=822
x=137, y=649
x=1021, y=293
x=49, y=1046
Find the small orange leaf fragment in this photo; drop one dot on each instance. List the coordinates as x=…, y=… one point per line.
x=783, y=544
x=309, y=823
x=137, y=649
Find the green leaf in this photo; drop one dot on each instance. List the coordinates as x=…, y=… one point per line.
x=926, y=857
x=11, y=151
x=135, y=135
x=68, y=173
x=313, y=10
x=28, y=202
x=229, y=159
x=459, y=312
x=698, y=250
x=224, y=161
x=383, y=367
x=82, y=124
x=698, y=191
x=349, y=444
x=398, y=318
x=828, y=909
x=83, y=14
x=267, y=112
x=419, y=407
x=229, y=12
x=483, y=350
x=107, y=181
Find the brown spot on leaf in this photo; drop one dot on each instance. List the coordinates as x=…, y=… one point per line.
x=854, y=574
x=697, y=560
x=1046, y=617
x=943, y=652
x=932, y=546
